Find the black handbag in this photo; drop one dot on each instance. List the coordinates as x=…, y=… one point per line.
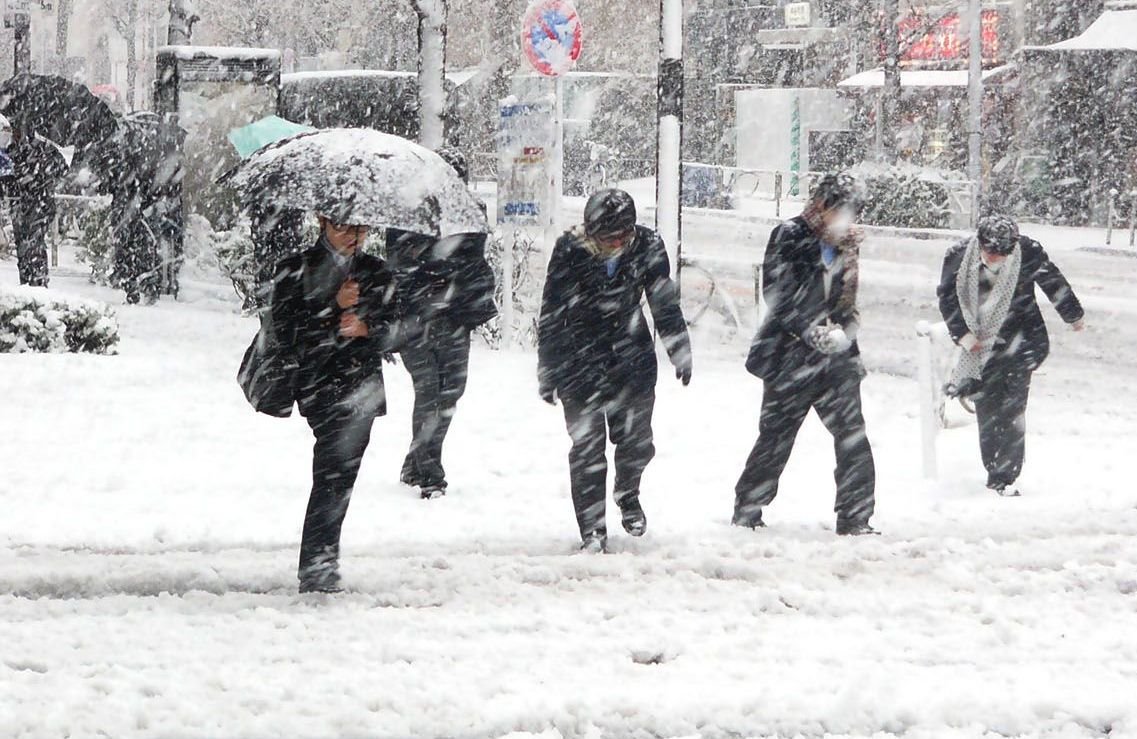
x=268, y=375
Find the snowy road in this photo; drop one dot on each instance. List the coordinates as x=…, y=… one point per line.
x=150, y=520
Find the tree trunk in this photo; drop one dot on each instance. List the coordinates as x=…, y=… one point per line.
x=431, y=72
x=131, y=55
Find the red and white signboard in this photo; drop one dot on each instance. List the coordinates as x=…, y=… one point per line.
x=552, y=36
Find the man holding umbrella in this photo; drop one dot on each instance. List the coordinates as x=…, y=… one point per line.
x=334, y=308
x=37, y=168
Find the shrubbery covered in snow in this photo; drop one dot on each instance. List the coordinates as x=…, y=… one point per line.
x=38, y=320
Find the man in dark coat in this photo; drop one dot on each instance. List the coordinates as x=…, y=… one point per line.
x=987, y=298
x=337, y=310
x=807, y=355
x=596, y=353
x=136, y=261
x=37, y=169
x=448, y=287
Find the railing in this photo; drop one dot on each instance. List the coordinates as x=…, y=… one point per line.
x=1112, y=217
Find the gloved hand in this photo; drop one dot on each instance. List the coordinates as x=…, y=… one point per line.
x=828, y=340
x=549, y=395
x=683, y=374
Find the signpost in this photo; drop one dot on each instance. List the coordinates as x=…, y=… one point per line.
x=530, y=139
x=525, y=143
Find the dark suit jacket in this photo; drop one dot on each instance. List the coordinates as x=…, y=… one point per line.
x=335, y=372
x=593, y=338
x=1023, y=342
x=793, y=285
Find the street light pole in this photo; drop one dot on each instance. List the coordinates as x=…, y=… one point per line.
x=669, y=168
x=22, y=42
x=975, y=101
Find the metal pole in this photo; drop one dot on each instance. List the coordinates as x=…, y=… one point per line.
x=975, y=101
x=508, y=242
x=890, y=93
x=929, y=425
x=1110, y=216
x=669, y=174
x=1133, y=218
x=556, y=162
x=22, y=43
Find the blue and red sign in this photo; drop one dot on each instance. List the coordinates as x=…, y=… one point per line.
x=552, y=36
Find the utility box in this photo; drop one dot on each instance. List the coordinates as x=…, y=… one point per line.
x=202, y=93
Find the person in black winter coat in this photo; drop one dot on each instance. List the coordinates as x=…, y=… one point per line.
x=987, y=298
x=335, y=308
x=37, y=169
x=807, y=355
x=447, y=286
x=596, y=353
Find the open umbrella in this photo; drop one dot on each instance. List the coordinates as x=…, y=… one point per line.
x=259, y=134
x=57, y=109
x=362, y=176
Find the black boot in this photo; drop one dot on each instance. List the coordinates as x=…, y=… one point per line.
x=595, y=543
x=856, y=529
x=632, y=514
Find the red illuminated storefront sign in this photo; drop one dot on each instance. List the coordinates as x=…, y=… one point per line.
x=928, y=39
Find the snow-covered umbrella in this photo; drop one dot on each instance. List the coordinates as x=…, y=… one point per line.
x=362, y=176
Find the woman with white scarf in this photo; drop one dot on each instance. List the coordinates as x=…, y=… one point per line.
x=987, y=298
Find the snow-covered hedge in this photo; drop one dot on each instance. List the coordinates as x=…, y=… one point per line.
x=906, y=196
x=38, y=320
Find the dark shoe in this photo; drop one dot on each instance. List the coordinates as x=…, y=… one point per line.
x=430, y=492
x=321, y=578
x=856, y=529
x=595, y=543
x=1006, y=491
x=632, y=516
x=748, y=522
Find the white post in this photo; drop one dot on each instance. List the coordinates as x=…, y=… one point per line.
x=508, y=242
x=431, y=72
x=669, y=175
x=929, y=423
x=975, y=101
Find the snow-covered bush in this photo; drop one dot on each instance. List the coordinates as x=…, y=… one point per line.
x=38, y=320
x=96, y=244
x=906, y=197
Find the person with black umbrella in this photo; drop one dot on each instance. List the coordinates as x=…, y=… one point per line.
x=597, y=355
x=335, y=309
x=807, y=356
x=987, y=298
x=448, y=285
x=37, y=169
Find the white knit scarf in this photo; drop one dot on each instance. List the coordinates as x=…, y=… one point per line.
x=986, y=321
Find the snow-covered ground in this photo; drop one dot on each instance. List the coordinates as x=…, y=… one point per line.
x=150, y=522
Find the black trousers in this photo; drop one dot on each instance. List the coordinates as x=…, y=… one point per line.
x=1000, y=408
x=341, y=440
x=835, y=393
x=627, y=421
x=438, y=372
x=31, y=226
